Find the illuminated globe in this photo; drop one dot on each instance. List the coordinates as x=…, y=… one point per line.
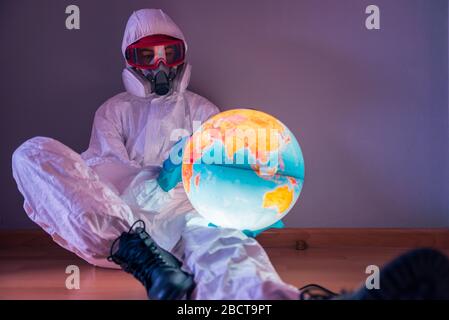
x=243, y=169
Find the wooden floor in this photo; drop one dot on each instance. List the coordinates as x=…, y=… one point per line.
x=33, y=267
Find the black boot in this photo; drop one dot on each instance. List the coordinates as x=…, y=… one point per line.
x=158, y=270
x=421, y=274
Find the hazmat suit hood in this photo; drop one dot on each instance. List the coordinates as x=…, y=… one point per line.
x=148, y=22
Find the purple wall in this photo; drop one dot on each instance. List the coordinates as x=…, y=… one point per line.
x=369, y=108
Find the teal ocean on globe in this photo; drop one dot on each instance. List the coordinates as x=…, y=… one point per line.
x=243, y=169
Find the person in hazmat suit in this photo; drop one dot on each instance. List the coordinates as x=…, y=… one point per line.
x=87, y=201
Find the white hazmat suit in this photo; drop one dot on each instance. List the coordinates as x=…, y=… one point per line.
x=86, y=201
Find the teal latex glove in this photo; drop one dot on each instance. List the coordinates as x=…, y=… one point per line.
x=171, y=172
x=252, y=234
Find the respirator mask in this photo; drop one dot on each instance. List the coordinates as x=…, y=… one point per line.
x=154, y=63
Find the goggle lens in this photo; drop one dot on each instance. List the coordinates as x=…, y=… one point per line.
x=147, y=56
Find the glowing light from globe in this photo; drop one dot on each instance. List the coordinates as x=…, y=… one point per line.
x=243, y=169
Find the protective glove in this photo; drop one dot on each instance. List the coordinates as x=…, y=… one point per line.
x=171, y=173
x=252, y=234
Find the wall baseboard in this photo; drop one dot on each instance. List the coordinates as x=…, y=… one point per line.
x=294, y=238
x=355, y=237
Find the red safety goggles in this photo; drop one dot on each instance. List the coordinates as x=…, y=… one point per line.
x=149, y=51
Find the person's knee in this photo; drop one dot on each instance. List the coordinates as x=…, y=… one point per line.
x=26, y=158
x=30, y=147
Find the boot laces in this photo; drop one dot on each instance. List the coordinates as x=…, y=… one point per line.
x=137, y=253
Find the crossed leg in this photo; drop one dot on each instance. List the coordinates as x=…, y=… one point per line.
x=229, y=265
x=67, y=199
